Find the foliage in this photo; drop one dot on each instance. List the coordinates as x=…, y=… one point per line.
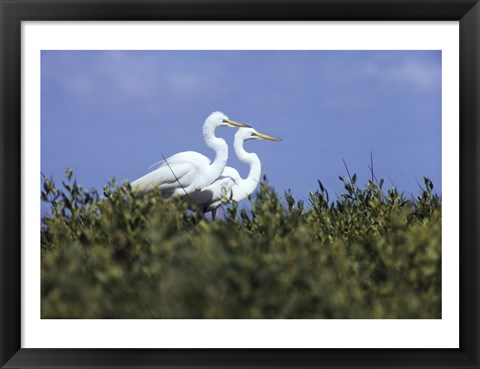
x=369, y=254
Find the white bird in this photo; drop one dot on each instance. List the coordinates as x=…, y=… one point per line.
x=230, y=186
x=188, y=171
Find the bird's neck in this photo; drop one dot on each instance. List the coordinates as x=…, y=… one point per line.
x=249, y=184
x=221, y=152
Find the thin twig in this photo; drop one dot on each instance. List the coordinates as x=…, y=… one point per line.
x=183, y=188
x=374, y=178
x=371, y=164
x=348, y=172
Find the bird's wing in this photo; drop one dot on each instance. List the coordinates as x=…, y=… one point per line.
x=218, y=190
x=179, y=170
x=231, y=173
x=163, y=178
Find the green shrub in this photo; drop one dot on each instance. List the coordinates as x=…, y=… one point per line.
x=369, y=254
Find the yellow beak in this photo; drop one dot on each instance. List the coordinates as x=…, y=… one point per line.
x=265, y=137
x=236, y=124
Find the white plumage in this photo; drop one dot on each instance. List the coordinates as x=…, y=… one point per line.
x=230, y=186
x=188, y=171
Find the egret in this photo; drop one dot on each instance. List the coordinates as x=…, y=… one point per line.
x=188, y=171
x=230, y=186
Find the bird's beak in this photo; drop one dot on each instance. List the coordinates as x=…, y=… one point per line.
x=265, y=137
x=235, y=124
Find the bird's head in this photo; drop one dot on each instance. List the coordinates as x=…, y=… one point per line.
x=218, y=119
x=245, y=134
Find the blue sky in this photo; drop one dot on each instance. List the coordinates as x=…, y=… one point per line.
x=114, y=113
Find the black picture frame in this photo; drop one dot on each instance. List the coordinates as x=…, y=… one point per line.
x=13, y=12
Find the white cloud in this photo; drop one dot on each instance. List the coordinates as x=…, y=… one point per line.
x=120, y=76
x=78, y=85
x=418, y=74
